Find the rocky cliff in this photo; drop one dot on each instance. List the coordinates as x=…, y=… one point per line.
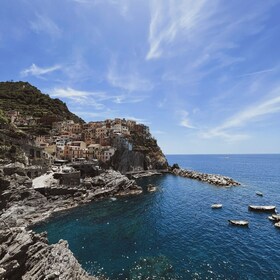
x=145, y=155
x=27, y=255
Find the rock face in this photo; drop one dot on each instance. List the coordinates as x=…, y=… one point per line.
x=213, y=179
x=26, y=255
x=150, y=158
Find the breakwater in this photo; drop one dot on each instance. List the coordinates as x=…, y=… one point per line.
x=213, y=179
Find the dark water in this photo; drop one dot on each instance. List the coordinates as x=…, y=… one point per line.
x=173, y=233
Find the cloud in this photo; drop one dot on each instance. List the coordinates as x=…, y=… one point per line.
x=208, y=35
x=243, y=118
x=121, y=99
x=81, y=97
x=93, y=98
x=35, y=70
x=127, y=79
x=258, y=72
x=168, y=19
x=43, y=24
x=185, y=122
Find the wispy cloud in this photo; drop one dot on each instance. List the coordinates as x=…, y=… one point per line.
x=35, y=70
x=94, y=98
x=128, y=81
x=185, y=122
x=81, y=97
x=168, y=19
x=258, y=72
x=43, y=24
x=121, y=99
x=207, y=34
x=243, y=118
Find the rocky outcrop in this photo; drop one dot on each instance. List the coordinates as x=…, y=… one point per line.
x=150, y=159
x=28, y=256
x=213, y=179
x=23, y=205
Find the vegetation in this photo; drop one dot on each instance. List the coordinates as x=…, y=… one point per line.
x=28, y=100
x=3, y=118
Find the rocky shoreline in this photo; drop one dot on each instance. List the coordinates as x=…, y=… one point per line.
x=23, y=203
x=213, y=179
x=27, y=255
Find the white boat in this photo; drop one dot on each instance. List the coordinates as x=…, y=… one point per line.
x=259, y=193
x=276, y=217
x=277, y=225
x=263, y=208
x=216, y=206
x=271, y=218
x=239, y=222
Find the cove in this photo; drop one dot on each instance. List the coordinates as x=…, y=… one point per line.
x=173, y=233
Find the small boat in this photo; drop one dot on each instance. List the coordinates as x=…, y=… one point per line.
x=259, y=193
x=277, y=225
x=271, y=218
x=276, y=217
x=262, y=208
x=216, y=206
x=242, y=223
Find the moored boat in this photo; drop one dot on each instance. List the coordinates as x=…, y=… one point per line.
x=239, y=222
x=271, y=219
x=259, y=193
x=277, y=225
x=216, y=206
x=262, y=208
x=276, y=217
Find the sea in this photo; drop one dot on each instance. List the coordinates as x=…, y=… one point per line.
x=174, y=233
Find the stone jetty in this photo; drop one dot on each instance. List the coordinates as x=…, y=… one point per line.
x=213, y=179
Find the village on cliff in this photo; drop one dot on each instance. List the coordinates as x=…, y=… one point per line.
x=72, y=141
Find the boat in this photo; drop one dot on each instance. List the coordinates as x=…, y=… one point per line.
x=276, y=217
x=262, y=208
x=271, y=219
x=259, y=193
x=277, y=225
x=242, y=223
x=216, y=206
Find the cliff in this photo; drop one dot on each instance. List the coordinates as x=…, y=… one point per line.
x=145, y=155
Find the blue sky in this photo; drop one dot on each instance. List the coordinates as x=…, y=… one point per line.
x=204, y=75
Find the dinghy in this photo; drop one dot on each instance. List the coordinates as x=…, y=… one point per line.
x=276, y=217
x=239, y=222
x=262, y=208
x=277, y=225
x=259, y=193
x=216, y=206
x=271, y=219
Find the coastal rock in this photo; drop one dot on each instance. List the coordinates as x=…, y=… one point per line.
x=14, y=168
x=213, y=179
x=28, y=256
x=151, y=188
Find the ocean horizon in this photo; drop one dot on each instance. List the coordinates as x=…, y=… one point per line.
x=173, y=233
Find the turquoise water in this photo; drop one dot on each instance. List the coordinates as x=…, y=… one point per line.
x=173, y=233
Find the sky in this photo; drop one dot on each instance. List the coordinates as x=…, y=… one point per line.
x=203, y=75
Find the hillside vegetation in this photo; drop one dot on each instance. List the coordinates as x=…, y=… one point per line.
x=28, y=100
